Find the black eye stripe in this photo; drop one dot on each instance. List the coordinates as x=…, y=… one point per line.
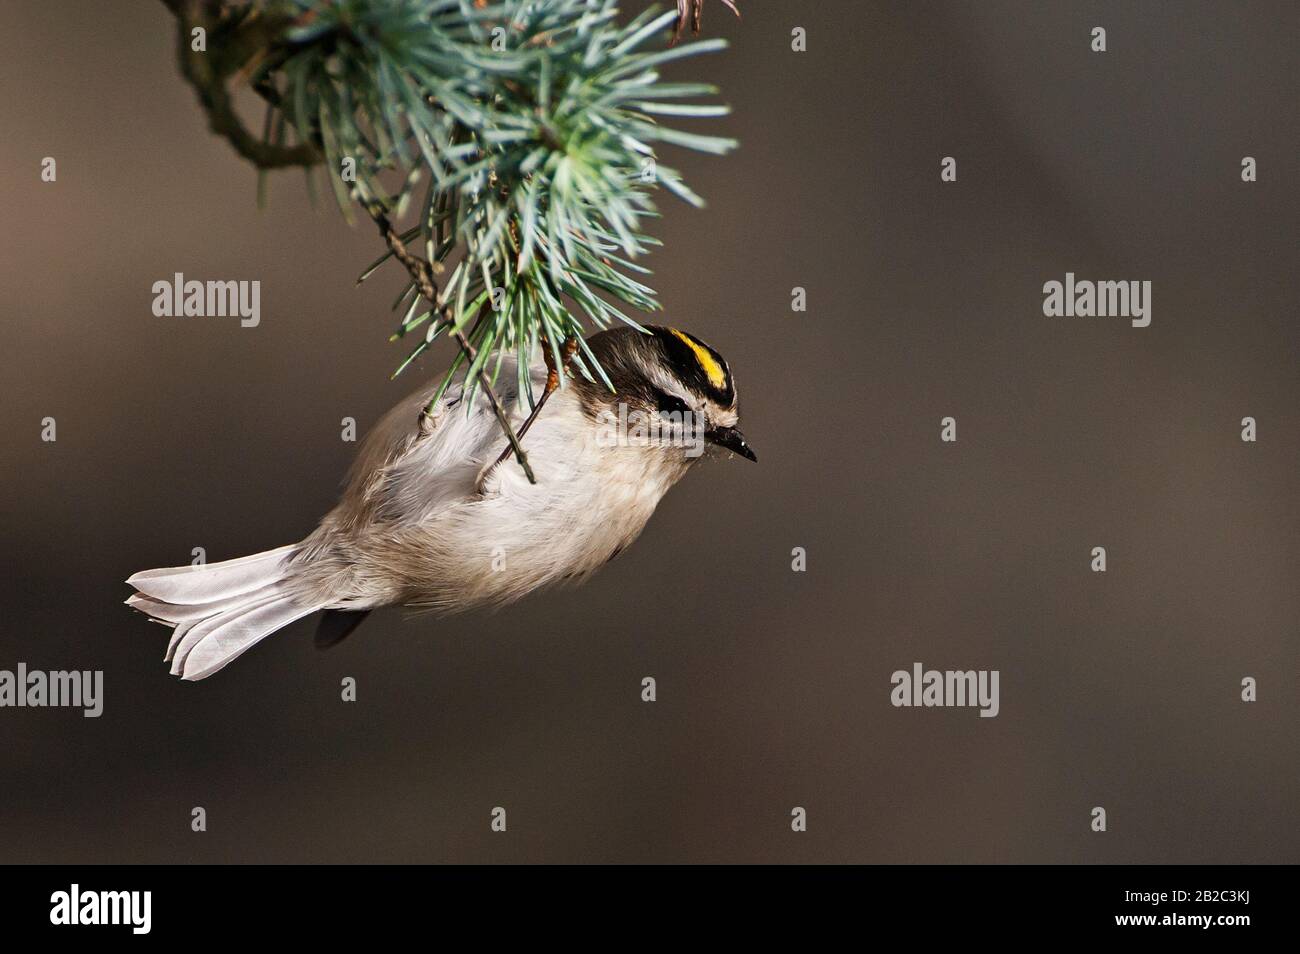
x=671, y=403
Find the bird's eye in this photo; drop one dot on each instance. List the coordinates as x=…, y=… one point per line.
x=672, y=404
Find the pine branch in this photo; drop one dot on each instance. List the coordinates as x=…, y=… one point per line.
x=208, y=77
x=692, y=12
x=522, y=133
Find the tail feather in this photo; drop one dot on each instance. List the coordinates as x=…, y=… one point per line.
x=214, y=581
x=220, y=611
x=202, y=630
x=227, y=643
x=173, y=613
x=177, y=635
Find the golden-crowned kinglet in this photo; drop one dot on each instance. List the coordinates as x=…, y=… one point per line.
x=433, y=518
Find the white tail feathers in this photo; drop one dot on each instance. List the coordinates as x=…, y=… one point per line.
x=214, y=581
x=218, y=611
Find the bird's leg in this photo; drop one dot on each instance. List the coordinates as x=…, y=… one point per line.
x=552, y=384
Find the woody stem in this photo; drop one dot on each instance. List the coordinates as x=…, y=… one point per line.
x=422, y=274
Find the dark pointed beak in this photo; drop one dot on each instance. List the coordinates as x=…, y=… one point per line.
x=732, y=440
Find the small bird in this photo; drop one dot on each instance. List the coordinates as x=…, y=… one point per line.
x=434, y=516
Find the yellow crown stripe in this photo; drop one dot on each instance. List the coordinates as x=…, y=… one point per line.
x=709, y=364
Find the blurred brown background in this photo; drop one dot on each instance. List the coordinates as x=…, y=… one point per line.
x=1118, y=689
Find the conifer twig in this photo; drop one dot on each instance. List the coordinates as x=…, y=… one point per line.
x=421, y=273
x=552, y=385
x=533, y=128
x=206, y=74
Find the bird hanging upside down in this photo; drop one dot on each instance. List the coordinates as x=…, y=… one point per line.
x=434, y=517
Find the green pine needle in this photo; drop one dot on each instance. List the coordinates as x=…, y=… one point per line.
x=532, y=127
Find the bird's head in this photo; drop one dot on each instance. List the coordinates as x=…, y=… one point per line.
x=671, y=380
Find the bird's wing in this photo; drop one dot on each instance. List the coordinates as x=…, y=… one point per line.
x=405, y=472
